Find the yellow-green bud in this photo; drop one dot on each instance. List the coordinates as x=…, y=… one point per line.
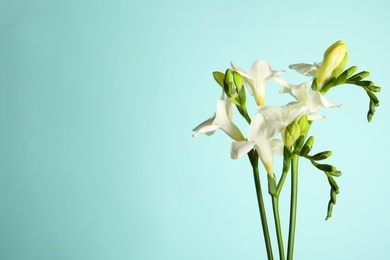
x=291, y=134
x=237, y=80
x=303, y=124
x=228, y=82
x=307, y=146
x=333, y=58
x=339, y=69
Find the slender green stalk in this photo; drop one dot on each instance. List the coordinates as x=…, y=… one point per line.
x=293, y=206
x=253, y=157
x=275, y=206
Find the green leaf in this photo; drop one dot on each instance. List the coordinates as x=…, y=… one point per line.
x=219, y=77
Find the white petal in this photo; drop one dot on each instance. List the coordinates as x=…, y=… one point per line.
x=274, y=113
x=239, y=70
x=300, y=92
x=326, y=103
x=260, y=71
x=229, y=107
x=265, y=153
x=314, y=116
x=256, y=127
x=207, y=129
x=240, y=148
x=277, y=146
x=305, y=69
x=281, y=81
x=274, y=127
x=223, y=120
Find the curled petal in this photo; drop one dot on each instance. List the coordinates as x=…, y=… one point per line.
x=206, y=129
x=240, y=148
x=305, y=69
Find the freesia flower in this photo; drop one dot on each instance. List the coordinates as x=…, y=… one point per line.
x=221, y=120
x=256, y=77
x=258, y=137
x=307, y=97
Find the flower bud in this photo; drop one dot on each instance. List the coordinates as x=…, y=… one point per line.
x=307, y=146
x=321, y=155
x=237, y=80
x=228, y=83
x=303, y=124
x=291, y=134
x=333, y=58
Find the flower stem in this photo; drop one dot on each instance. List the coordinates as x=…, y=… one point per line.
x=275, y=206
x=293, y=206
x=253, y=157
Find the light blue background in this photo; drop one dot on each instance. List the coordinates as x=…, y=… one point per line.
x=97, y=103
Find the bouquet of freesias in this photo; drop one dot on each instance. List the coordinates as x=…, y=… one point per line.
x=291, y=122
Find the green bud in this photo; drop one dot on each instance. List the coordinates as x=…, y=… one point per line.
x=330, y=209
x=303, y=123
x=333, y=184
x=307, y=146
x=351, y=70
x=237, y=80
x=219, y=77
x=321, y=155
x=333, y=196
x=326, y=167
x=359, y=76
x=291, y=134
x=228, y=83
x=373, y=97
x=335, y=173
x=374, y=88
x=341, y=78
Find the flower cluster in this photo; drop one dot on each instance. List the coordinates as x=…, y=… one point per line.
x=269, y=121
x=291, y=122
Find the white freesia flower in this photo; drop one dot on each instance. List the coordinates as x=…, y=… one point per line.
x=303, y=93
x=256, y=77
x=221, y=120
x=258, y=137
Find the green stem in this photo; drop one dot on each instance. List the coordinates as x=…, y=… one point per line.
x=253, y=157
x=293, y=206
x=275, y=206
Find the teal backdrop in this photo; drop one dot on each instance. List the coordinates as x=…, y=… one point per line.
x=97, y=103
